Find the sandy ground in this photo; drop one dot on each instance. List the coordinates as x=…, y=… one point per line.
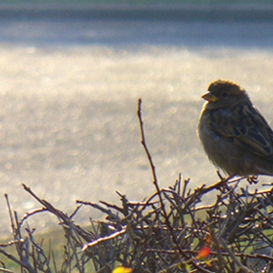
x=69, y=93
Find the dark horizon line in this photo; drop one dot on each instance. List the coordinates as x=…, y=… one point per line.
x=176, y=12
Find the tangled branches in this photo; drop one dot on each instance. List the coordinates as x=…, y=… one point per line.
x=163, y=233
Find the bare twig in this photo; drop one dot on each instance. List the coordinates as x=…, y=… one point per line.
x=155, y=181
x=104, y=239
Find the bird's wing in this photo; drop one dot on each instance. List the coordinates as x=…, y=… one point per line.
x=247, y=127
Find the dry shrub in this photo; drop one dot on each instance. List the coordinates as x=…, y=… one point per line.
x=171, y=231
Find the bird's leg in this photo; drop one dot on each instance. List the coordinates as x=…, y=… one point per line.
x=224, y=179
x=220, y=176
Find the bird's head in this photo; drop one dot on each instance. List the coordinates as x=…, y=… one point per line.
x=223, y=93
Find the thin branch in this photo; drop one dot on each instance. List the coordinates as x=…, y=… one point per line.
x=6, y=270
x=104, y=239
x=10, y=214
x=155, y=181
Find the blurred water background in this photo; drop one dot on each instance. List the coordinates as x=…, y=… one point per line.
x=71, y=74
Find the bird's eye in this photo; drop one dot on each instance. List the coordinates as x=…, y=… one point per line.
x=224, y=95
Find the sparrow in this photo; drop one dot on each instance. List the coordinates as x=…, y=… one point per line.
x=235, y=136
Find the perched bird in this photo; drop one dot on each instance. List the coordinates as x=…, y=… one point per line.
x=235, y=136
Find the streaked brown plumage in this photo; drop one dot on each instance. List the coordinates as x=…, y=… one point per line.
x=234, y=134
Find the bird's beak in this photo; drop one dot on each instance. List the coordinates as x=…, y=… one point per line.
x=209, y=97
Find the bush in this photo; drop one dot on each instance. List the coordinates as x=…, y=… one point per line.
x=171, y=231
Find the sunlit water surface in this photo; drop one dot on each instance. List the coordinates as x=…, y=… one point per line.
x=69, y=94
